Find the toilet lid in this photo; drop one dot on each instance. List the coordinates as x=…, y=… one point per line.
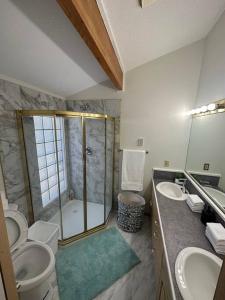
x=17, y=228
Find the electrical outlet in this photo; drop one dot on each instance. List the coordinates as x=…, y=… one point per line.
x=140, y=142
x=206, y=167
x=166, y=163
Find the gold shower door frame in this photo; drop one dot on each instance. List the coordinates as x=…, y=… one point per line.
x=55, y=113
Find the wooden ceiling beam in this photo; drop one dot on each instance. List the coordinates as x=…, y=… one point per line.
x=86, y=18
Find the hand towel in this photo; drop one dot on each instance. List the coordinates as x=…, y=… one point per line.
x=133, y=170
x=219, y=248
x=217, y=231
x=195, y=203
x=212, y=239
x=195, y=199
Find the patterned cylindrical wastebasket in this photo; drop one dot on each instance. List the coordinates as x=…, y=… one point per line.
x=131, y=208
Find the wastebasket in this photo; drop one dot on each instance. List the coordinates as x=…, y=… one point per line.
x=131, y=209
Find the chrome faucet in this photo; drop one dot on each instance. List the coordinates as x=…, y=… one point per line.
x=182, y=183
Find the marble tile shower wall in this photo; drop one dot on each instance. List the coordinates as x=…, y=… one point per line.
x=95, y=133
x=75, y=156
x=14, y=97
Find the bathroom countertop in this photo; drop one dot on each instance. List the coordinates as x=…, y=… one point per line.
x=181, y=228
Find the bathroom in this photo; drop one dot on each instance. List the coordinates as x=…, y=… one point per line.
x=76, y=128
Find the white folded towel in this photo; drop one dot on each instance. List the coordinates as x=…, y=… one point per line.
x=195, y=199
x=215, y=233
x=195, y=203
x=133, y=170
x=217, y=230
x=213, y=241
x=218, y=248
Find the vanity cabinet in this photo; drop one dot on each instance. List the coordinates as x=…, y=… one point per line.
x=163, y=289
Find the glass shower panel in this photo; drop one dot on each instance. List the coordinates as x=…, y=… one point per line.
x=40, y=148
x=95, y=171
x=69, y=135
x=109, y=166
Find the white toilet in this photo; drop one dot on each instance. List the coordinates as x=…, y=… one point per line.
x=33, y=262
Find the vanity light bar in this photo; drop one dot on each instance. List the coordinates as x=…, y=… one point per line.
x=211, y=108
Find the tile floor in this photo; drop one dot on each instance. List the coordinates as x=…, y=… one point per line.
x=139, y=283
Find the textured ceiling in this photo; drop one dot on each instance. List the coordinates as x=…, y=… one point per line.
x=141, y=35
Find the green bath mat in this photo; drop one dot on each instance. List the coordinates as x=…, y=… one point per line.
x=91, y=265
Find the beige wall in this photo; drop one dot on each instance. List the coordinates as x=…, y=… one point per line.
x=155, y=98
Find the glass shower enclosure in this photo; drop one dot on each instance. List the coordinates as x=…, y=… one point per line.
x=68, y=161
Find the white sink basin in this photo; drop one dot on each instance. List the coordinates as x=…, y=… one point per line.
x=171, y=190
x=197, y=272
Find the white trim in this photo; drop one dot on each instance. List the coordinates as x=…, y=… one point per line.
x=168, y=170
x=164, y=244
x=206, y=197
x=204, y=173
x=30, y=86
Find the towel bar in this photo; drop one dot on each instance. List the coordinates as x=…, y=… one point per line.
x=120, y=150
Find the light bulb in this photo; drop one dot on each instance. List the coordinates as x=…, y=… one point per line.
x=211, y=106
x=203, y=109
x=198, y=110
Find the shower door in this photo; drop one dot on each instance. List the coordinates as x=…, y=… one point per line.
x=69, y=169
x=109, y=165
x=95, y=143
x=70, y=147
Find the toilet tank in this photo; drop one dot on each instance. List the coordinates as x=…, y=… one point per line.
x=46, y=233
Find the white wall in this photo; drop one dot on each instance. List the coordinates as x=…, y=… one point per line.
x=212, y=79
x=153, y=104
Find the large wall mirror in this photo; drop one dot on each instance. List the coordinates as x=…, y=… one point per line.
x=206, y=155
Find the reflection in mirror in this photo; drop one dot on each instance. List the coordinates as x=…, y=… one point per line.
x=206, y=155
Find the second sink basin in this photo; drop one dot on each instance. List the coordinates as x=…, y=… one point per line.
x=197, y=272
x=171, y=190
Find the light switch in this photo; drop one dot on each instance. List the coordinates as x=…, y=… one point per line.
x=140, y=142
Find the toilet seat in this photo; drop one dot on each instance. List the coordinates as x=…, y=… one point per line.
x=32, y=261
x=38, y=265
x=17, y=228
